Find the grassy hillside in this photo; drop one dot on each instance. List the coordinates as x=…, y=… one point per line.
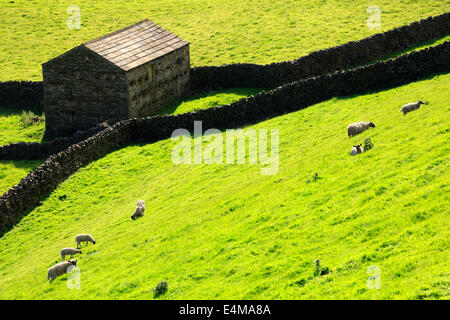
x=220, y=31
x=13, y=129
x=226, y=231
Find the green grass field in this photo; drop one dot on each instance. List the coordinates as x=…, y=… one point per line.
x=222, y=31
x=226, y=231
x=208, y=100
x=13, y=129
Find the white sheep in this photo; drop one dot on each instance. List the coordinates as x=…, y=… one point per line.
x=69, y=251
x=84, y=238
x=60, y=268
x=412, y=106
x=139, y=211
x=358, y=127
x=357, y=149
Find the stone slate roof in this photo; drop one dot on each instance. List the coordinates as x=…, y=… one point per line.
x=135, y=45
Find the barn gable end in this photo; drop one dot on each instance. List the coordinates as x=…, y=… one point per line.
x=132, y=72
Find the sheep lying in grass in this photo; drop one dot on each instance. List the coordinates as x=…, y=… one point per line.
x=139, y=211
x=84, y=238
x=69, y=251
x=60, y=268
x=412, y=106
x=356, y=149
x=358, y=127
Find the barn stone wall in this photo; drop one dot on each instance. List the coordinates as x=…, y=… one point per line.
x=81, y=89
x=154, y=85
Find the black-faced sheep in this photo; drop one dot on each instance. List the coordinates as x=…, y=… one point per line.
x=412, y=106
x=356, y=149
x=84, y=238
x=358, y=127
x=69, y=251
x=139, y=211
x=60, y=268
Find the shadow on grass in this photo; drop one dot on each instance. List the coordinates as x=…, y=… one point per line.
x=24, y=164
x=5, y=230
x=5, y=112
x=210, y=99
x=8, y=179
x=418, y=47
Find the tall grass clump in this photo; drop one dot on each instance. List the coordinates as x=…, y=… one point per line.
x=368, y=144
x=160, y=289
x=29, y=118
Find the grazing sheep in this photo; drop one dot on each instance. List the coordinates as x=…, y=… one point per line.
x=60, y=268
x=69, y=251
x=84, y=238
x=412, y=106
x=356, y=149
x=358, y=127
x=139, y=211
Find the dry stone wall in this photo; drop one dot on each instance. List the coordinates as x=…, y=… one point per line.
x=44, y=179
x=303, y=93
x=35, y=150
x=22, y=95
x=284, y=99
x=342, y=57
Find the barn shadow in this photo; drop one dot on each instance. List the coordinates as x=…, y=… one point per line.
x=214, y=99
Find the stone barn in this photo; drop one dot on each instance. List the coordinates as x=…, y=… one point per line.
x=130, y=73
